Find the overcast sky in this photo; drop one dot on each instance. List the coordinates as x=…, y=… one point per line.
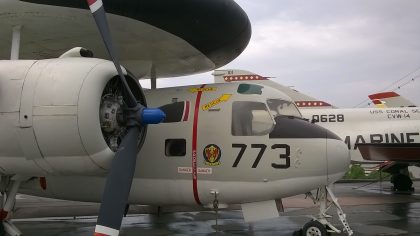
x=337, y=51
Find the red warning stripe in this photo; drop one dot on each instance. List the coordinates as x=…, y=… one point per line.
x=186, y=111
x=383, y=95
x=100, y=234
x=194, y=145
x=231, y=78
x=312, y=104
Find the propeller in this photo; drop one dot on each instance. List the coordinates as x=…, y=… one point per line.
x=121, y=173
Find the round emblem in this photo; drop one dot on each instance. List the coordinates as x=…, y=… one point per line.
x=212, y=154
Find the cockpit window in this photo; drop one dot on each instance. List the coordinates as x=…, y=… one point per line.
x=250, y=89
x=251, y=119
x=280, y=107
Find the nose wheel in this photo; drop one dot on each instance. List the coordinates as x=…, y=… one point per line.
x=314, y=228
x=320, y=225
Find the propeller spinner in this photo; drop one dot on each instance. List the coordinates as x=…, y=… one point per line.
x=120, y=176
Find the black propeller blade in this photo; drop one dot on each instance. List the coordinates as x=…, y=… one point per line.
x=98, y=12
x=120, y=176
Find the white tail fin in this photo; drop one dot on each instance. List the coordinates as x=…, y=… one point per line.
x=390, y=99
x=302, y=100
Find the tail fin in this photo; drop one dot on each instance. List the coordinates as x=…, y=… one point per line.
x=302, y=100
x=390, y=99
x=223, y=76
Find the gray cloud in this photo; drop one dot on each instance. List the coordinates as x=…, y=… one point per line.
x=338, y=51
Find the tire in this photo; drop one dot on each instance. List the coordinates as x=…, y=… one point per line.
x=402, y=182
x=314, y=228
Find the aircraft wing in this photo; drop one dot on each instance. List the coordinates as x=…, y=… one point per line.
x=404, y=152
x=390, y=99
x=154, y=37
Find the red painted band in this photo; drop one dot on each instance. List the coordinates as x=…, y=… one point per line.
x=90, y=2
x=3, y=214
x=100, y=234
x=312, y=104
x=376, y=101
x=186, y=110
x=243, y=77
x=383, y=95
x=194, y=145
x=43, y=183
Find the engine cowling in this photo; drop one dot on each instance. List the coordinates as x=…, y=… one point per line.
x=60, y=116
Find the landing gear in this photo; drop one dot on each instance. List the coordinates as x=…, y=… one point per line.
x=216, y=208
x=402, y=181
x=314, y=228
x=320, y=225
x=9, y=198
x=400, y=177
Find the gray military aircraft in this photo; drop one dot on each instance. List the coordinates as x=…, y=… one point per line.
x=77, y=127
x=373, y=135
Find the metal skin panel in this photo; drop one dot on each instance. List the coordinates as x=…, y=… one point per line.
x=370, y=125
x=259, y=210
x=27, y=99
x=336, y=162
x=159, y=181
x=12, y=76
x=16, y=145
x=58, y=130
x=76, y=136
x=59, y=141
x=87, y=114
x=56, y=75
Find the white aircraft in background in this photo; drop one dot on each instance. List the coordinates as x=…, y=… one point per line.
x=373, y=135
x=74, y=127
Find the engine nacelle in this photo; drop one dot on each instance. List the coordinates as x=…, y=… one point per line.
x=51, y=114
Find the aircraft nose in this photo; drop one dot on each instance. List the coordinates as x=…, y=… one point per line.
x=336, y=154
x=338, y=159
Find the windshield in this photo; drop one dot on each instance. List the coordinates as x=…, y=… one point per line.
x=250, y=119
x=280, y=107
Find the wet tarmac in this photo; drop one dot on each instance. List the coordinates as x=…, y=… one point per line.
x=371, y=210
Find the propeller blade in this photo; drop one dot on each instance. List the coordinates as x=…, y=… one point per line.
x=120, y=176
x=118, y=185
x=98, y=12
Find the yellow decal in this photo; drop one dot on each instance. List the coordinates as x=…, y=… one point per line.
x=380, y=105
x=216, y=101
x=206, y=89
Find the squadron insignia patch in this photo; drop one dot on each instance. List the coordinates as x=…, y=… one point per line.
x=212, y=154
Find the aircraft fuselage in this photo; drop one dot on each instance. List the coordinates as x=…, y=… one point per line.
x=369, y=125
x=233, y=139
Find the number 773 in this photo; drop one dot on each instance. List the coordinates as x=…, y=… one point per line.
x=262, y=148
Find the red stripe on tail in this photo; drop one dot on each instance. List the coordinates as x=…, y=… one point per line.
x=383, y=95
